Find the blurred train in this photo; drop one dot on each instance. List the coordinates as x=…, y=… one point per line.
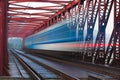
x=60, y=40
x=54, y=40
x=57, y=37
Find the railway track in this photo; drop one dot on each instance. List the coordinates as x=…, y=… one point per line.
x=39, y=71
x=15, y=68
x=102, y=69
x=97, y=69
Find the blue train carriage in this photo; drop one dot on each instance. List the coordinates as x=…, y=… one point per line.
x=59, y=37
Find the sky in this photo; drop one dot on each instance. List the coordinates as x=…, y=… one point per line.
x=14, y=42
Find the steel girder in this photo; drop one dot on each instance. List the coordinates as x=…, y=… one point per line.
x=91, y=19
x=99, y=49
x=113, y=49
x=49, y=18
x=83, y=14
x=82, y=19
x=87, y=13
x=3, y=38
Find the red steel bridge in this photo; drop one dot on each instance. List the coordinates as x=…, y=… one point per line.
x=22, y=18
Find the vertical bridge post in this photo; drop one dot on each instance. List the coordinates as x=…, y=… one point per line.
x=3, y=37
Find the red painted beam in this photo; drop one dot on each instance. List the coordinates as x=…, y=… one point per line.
x=23, y=6
x=28, y=19
x=71, y=4
x=37, y=8
x=33, y=14
x=3, y=38
x=51, y=14
x=18, y=12
x=46, y=9
x=52, y=1
x=30, y=14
